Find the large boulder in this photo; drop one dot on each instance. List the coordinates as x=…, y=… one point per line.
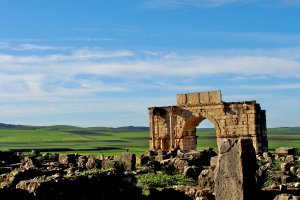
x=81, y=162
x=66, y=159
x=286, y=197
x=285, y=151
x=235, y=170
x=128, y=159
x=206, y=178
x=93, y=163
x=27, y=163
x=181, y=164
x=29, y=185
x=192, y=172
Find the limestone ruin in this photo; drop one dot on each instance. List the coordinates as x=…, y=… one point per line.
x=174, y=127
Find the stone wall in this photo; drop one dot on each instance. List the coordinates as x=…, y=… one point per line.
x=175, y=126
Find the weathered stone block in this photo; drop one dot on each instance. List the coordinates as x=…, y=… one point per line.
x=215, y=97
x=285, y=151
x=206, y=178
x=66, y=159
x=27, y=163
x=93, y=163
x=181, y=99
x=235, y=170
x=204, y=97
x=128, y=159
x=213, y=161
x=193, y=98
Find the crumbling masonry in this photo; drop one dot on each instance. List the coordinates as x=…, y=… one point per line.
x=174, y=127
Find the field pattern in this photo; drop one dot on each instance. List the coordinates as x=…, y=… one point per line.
x=101, y=140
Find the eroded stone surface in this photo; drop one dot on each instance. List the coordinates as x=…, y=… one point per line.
x=235, y=170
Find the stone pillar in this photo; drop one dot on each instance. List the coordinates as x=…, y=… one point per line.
x=171, y=131
x=235, y=170
x=152, y=128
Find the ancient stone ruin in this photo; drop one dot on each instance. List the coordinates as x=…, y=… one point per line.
x=174, y=127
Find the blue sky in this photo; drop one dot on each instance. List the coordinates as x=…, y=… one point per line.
x=103, y=63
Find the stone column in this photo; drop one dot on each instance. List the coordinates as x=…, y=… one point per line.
x=171, y=130
x=152, y=128
x=235, y=170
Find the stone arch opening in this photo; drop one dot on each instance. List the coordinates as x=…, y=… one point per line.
x=175, y=126
x=206, y=135
x=190, y=133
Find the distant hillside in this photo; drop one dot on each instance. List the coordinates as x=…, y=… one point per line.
x=285, y=130
x=17, y=127
x=72, y=128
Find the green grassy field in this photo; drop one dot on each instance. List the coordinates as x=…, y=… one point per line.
x=277, y=137
x=101, y=140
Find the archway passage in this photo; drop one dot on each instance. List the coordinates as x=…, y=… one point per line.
x=174, y=127
x=206, y=135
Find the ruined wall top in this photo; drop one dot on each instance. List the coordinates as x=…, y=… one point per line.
x=199, y=98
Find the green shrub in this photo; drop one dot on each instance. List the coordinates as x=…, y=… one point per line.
x=162, y=180
x=168, y=169
x=119, y=167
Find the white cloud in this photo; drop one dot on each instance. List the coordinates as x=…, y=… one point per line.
x=176, y=4
x=30, y=47
x=77, y=55
x=192, y=3
x=20, y=83
x=90, y=39
x=72, y=82
x=285, y=86
x=163, y=65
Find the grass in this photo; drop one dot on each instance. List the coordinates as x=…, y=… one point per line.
x=70, y=139
x=109, y=141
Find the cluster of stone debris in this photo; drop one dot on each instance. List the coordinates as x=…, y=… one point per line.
x=62, y=176
x=279, y=172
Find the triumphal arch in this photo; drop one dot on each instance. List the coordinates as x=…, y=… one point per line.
x=174, y=127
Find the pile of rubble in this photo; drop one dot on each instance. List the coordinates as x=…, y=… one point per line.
x=72, y=176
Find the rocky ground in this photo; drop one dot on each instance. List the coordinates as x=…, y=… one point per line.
x=173, y=175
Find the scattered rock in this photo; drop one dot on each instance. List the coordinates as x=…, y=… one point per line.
x=285, y=151
x=213, y=161
x=285, y=179
x=29, y=185
x=286, y=197
x=93, y=163
x=285, y=167
x=66, y=159
x=26, y=163
x=190, y=172
x=206, y=178
x=290, y=159
x=82, y=160
x=181, y=164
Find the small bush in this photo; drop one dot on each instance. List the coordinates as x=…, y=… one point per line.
x=162, y=180
x=168, y=169
x=119, y=167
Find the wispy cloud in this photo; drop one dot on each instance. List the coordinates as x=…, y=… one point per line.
x=77, y=55
x=176, y=4
x=192, y=3
x=285, y=86
x=139, y=65
x=29, y=47
x=76, y=78
x=90, y=39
